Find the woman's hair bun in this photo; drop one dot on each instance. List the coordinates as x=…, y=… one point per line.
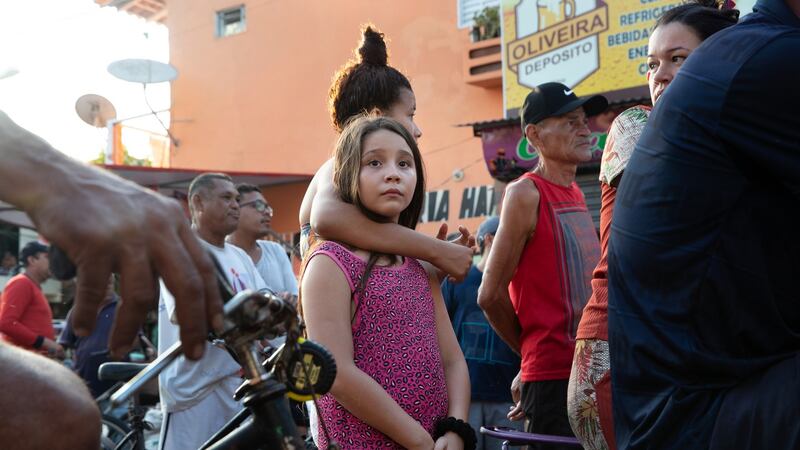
x=709, y=3
x=373, y=48
x=726, y=7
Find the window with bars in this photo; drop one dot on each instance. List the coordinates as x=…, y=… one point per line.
x=230, y=21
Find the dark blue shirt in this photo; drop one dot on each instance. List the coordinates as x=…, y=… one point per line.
x=492, y=364
x=703, y=270
x=91, y=351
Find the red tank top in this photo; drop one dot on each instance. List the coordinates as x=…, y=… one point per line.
x=552, y=282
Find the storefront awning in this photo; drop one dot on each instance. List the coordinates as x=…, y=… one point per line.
x=12, y=216
x=172, y=182
x=169, y=180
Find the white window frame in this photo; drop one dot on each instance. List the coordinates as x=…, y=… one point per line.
x=221, y=27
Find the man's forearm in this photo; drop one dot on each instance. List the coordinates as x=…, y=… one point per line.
x=504, y=321
x=24, y=154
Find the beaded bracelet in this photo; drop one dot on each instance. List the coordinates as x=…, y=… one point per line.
x=459, y=427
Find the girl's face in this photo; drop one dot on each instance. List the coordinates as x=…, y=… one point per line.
x=403, y=111
x=668, y=48
x=388, y=177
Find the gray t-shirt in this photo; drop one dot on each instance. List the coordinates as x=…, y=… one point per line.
x=275, y=268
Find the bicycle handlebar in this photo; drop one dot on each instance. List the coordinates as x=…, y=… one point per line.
x=244, y=322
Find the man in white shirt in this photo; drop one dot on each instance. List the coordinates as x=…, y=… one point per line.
x=270, y=259
x=197, y=396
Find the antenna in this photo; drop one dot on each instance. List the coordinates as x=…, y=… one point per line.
x=145, y=71
x=95, y=110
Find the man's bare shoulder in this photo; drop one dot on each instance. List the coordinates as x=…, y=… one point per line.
x=522, y=193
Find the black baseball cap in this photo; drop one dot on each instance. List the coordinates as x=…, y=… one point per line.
x=555, y=99
x=32, y=248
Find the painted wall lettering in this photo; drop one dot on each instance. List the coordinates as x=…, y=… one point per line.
x=477, y=201
x=436, y=207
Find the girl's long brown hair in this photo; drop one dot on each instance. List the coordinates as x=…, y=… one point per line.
x=346, y=170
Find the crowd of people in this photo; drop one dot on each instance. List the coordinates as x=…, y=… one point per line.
x=677, y=328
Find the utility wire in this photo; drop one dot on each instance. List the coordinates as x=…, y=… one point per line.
x=437, y=150
x=175, y=142
x=451, y=176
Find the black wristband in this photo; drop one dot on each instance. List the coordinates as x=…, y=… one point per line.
x=38, y=342
x=459, y=427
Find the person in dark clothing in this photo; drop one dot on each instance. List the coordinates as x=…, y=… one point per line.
x=91, y=351
x=675, y=36
x=8, y=266
x=491, y=363
x=704, y=323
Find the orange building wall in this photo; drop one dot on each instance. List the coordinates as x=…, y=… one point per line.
x=285, y=201
x=257, y=101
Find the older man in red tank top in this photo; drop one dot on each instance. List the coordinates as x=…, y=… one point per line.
x=537, y=278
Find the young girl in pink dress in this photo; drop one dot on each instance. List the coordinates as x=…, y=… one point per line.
x=402, y=381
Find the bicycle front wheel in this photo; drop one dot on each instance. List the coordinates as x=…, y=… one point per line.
x=113, y=431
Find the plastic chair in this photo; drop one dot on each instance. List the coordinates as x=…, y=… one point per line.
x=515, y=438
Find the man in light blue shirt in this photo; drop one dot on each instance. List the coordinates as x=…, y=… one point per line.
x=255, y=218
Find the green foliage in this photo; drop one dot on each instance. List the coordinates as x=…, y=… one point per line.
x=128, y=160
x=487, y=22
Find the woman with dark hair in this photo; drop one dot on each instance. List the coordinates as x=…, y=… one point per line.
x=368, y=84
x=677, y=33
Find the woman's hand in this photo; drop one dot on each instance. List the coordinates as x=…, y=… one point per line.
x=450, y=441
x=454, y=258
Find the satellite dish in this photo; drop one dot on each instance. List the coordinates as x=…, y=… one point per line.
x=143, y=71
x=95, y=110
x=7, y=72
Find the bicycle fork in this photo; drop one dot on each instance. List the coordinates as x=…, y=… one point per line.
x=266, y=423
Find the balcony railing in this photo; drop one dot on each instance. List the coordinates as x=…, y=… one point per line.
x=483, y=63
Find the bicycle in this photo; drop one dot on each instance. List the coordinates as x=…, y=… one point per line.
x=300, y=369
x=117, y=434
x=515, y=438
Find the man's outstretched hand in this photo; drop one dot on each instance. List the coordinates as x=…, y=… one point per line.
x=455, y=257
x=106, y=224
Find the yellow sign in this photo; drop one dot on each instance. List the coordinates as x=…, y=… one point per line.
x=592, y=46
x=556, y=36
